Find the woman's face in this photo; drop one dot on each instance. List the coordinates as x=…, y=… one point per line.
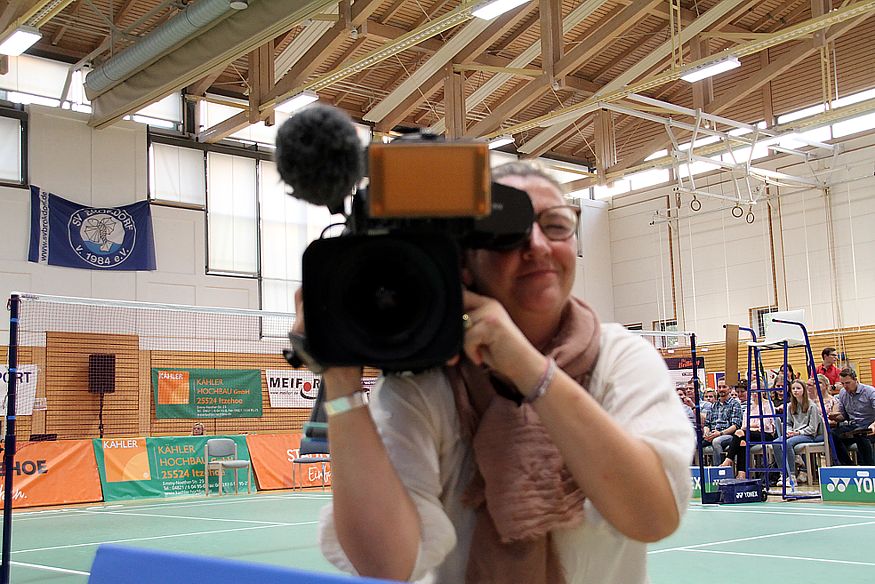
x=798, y=389
x=536, y=278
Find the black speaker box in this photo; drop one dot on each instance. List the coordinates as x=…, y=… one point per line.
x=101, y=373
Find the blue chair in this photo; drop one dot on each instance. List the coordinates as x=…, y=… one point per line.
x=313, y=450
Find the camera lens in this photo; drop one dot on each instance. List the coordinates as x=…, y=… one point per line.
x=388, y=294
x=391, y=301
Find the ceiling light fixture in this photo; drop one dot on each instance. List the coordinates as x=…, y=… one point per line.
x=500, y=141
x=706, y=70
x=19, y=41
x=296, y=102
x=491, y=9
x=239, y=4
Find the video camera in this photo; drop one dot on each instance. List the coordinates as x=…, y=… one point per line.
x=388, y=292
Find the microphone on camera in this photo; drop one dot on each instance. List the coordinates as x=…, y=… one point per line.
x=319, y=155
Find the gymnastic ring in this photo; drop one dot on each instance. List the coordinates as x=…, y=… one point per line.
x=695, y=204
x=750, y=218
x=739, y=209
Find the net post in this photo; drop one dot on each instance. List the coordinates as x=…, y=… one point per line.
x=9, y=441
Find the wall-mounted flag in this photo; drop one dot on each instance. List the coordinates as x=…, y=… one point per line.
x=63, y=233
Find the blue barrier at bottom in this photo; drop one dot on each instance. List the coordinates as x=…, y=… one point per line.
x=116, y=564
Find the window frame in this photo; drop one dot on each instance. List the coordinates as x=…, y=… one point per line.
x=755, y=319
x=18, y=113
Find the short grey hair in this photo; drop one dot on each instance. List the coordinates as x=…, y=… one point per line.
x=526, y=168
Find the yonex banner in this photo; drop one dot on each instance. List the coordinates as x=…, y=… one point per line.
x=207, y=393
x=133, y=468
x=713, y=474
x=63, y=233
x=848, y=484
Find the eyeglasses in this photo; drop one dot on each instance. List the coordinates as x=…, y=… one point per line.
x=558, y=223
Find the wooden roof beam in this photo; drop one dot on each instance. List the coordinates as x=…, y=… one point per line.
x=327, y=44
x=589, y=46
x=551, y=37
x=752, y=83
x=201, y=86
x=717, y=13
x=421, y=91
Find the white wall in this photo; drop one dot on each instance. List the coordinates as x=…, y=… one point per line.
x=107, y=168
x=594, y=280
x=709, y=268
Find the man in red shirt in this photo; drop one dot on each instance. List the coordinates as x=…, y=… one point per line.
x=829, y=356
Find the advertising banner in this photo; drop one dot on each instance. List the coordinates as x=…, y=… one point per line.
x=680, y=369
x=25, y=389
x=207, y=393
x=292, y=388
x=714, y=378
x=64, y=233
x=848, y=484
x=272, y=456
x=54, y=473
x=169, y=466
x=712, y=474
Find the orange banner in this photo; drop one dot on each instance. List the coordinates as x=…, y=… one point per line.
x=272, y=456
x=55, y=473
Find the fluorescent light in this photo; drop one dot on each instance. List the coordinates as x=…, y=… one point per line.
x=704, y=71
x=296, y=102
x=489, y=10
x=500, y=141
x=19, y=41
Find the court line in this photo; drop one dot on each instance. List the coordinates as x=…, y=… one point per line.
x=755, y=537
x=824, y=560
x=26, y=515
x=156, y=537
x=792, y=514
x=162, y=516
x=50, y=568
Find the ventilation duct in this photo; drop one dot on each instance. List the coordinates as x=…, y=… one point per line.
x=189, y=23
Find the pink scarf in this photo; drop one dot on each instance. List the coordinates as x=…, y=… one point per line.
x=523, y=490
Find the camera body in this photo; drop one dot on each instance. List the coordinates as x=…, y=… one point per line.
x=387, y=293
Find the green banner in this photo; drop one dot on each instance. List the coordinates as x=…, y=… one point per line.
x=170, y=466
x=207, y=393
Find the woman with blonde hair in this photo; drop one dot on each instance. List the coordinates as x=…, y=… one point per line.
x=804, y=424
x=829, y=400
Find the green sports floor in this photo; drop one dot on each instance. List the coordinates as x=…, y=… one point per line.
x=767, y=542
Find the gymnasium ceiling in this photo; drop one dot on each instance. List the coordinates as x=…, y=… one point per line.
x=531, y=72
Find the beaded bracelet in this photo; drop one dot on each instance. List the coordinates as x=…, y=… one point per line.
x=543, y=383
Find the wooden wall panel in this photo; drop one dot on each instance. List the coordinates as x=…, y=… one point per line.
x=72, y=411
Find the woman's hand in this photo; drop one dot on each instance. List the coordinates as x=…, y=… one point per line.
x=493, y=339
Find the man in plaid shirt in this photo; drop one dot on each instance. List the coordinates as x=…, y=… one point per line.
x=721, y=423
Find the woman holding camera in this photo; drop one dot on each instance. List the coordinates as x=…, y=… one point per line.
x=552, y=451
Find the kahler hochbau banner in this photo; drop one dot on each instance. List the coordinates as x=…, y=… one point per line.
x=207, y=393
x=64, y=233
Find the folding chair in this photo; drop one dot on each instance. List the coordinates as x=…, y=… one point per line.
x=219, y=454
